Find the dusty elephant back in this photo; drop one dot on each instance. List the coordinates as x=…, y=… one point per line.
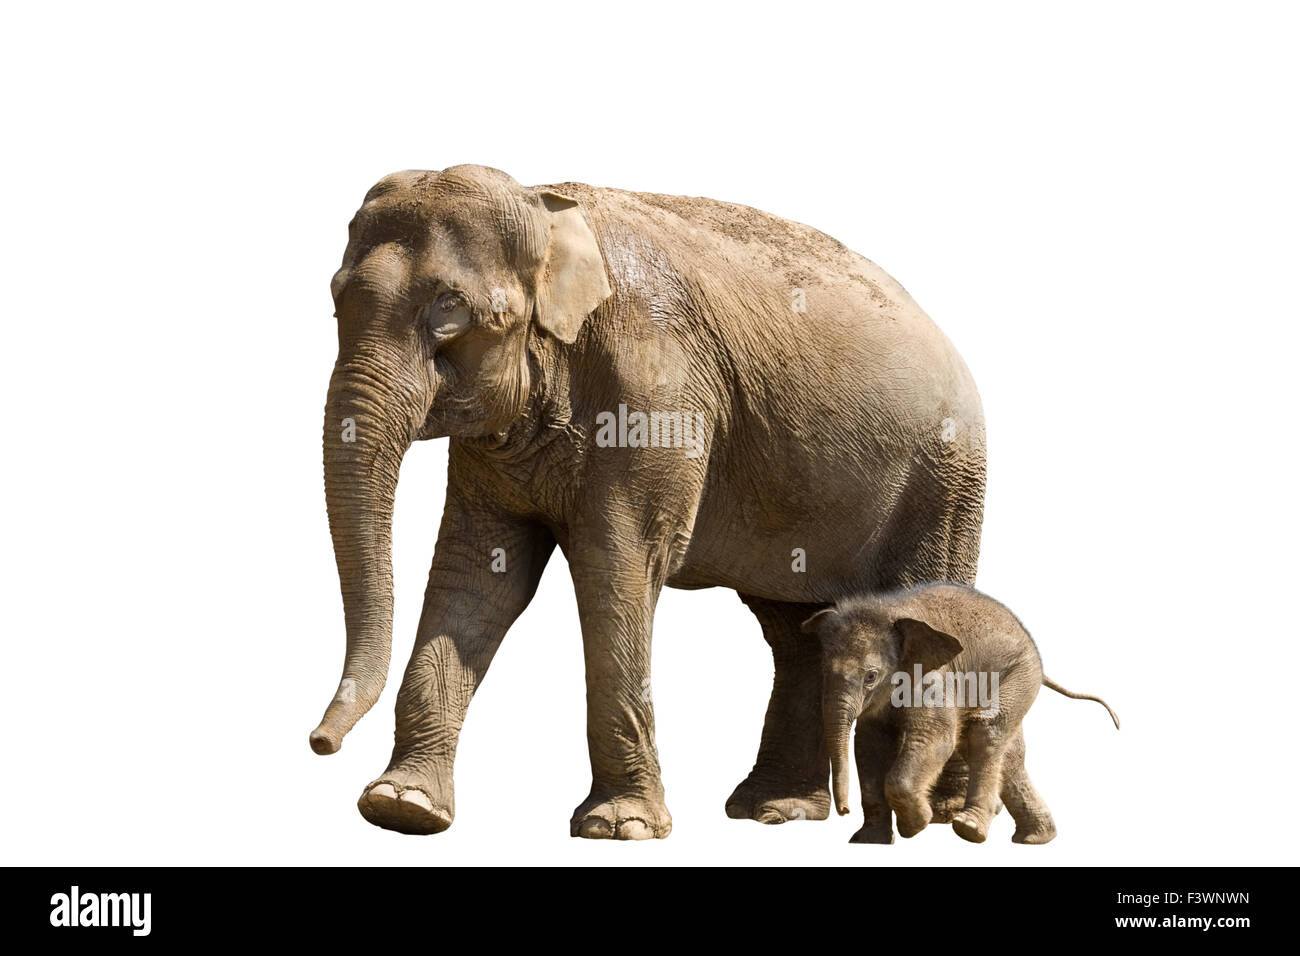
x=786, y=307
x=995, y=637
x=842, y=410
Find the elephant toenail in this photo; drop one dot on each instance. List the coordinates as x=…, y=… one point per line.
x=635, y=830
x=594, y=828
x=418, y=798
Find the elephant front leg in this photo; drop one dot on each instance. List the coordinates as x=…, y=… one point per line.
x=788, y=781
x=924, y=748
x=874, y=747
x=484, y=573
x=616, y=607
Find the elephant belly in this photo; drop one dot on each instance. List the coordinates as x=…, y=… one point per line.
x=815, y=557
x=843, y=525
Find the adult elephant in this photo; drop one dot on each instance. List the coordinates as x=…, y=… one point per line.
x=807, y=432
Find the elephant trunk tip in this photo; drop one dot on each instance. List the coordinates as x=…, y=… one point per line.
x=842, y=809
x=343, y=712
x=324, y=742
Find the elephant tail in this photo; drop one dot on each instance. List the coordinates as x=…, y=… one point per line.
x=1053, y=685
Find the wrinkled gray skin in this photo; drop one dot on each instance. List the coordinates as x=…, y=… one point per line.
x=902, y=750
x=508, y=318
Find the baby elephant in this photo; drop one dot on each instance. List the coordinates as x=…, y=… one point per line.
x=925, y=672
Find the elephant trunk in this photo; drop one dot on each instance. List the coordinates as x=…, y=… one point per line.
x=837, y=718
x=365, y=438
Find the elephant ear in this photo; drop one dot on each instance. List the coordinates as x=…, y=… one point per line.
x=572, y=280
x=817, y=624
x=922, y=644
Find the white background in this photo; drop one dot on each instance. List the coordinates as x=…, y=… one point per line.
x=1099, y=207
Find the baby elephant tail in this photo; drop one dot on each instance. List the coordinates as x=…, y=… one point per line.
x=1048, y=682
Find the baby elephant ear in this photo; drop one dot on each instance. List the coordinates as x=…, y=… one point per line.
x=923, y=645
x=818, y=621
x=572, y=280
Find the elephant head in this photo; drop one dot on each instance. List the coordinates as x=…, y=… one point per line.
x=863, y=647
x=449, y=283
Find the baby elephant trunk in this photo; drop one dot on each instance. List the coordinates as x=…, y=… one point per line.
x=838, y=714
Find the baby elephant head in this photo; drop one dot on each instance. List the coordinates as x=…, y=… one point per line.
x=863, y=647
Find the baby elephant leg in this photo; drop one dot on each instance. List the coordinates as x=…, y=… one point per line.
x=922, y=753
x=874, y=746
x=986, y=742
x=1033, y=819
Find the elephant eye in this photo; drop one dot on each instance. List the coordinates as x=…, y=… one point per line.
x=446, y=315
x=873, y=675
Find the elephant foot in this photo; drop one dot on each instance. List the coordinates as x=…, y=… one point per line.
x=406, y=805
x=772, y=803
x=948, y=795
x=972, y=824
x=946, y=805
x=1036, y=832
x=913, y=819
x=629, y=816
x=874, y=833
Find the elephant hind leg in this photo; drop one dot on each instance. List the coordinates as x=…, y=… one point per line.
x=986, y=743
x=789, y=779
x=1034, y=822
x=934, y=533
x=935, y=536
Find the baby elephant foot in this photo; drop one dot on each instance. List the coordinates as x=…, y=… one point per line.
x=879, y=832
x=913, y=818
x=948, y=795
x=945, y=806
x=630, y=816
x=407, y=805
x=1037, y=831
x=777, y=803
x=972, y=823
